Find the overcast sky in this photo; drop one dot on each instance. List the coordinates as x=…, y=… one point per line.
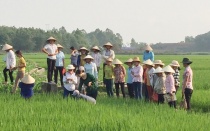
x=150, y=21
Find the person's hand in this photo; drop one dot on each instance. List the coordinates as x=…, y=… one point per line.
x=90, y=83
x=70, y=79
x=51, y=54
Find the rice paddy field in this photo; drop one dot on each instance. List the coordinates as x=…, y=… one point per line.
x=46, y=112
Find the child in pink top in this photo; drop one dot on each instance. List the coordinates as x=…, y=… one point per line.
x=170, y=86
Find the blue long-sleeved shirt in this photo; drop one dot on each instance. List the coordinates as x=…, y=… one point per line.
x=149, y=55
x=129, y=76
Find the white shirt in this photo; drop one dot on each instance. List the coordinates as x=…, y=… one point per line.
x=10, y=59
x=108, y=54
x=91, y=69
x=151, y=76
x=59, y=59
x=70, y=86
x=97, y=58
x=51, y=49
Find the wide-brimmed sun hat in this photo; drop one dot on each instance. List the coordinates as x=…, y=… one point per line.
x=158, y=62
x=148, y=47
x=148, y=62
x=168, y=69
x=117, y=62
x=175, y=63
x=129, y=61
x=109, y=59
x=27, y=79
x=88, y=57
x=108, y=44
x=59, y=46
x=158, y=70
x=136, y=59
x=70, y=67
x=51, y=38
x=7, y=47
x=186, y=61
x=83, y=48
x=95, y=48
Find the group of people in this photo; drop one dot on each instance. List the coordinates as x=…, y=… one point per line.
x=147, y=79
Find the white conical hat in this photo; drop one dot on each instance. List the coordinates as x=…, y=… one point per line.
x=168, y=69
x=175, y=63
x=88, y=57
x=96, y=48
x=51, y=38
x=27, y=79
x=148, y=47
x=158, y=62
x=129, y=61
x=107, y=44
x=148, y=62
x=7, y=47
x=70, y=67
x=158, y=70
x=83, y=48
x=58, y=45
x=117, y=61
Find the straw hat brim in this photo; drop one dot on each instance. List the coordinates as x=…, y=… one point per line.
x=27, y=79
x=51, y=38
x=174, y=65
x=7, y=47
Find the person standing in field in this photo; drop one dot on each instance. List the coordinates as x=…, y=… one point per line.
x=119, y=77
x=130, y=78
x=51, y=50
x=187, y=86
x=21, y=66
x=175, y=65
x=80, y=59
x=10, y=63
x=159, y=86
x=96, y=57
x=74, y=54
x=90, y=67
x=69, y=80
x=148, y=54
x=170, y=86
x=26, y=85
x=107, y=53
x=149, y=78
x=137, y=74
x=108, y=76
x=59, y=65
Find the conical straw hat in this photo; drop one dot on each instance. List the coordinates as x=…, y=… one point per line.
x=136, y=59
x=158, y=62
x=168, y=69
x=158, y=70
x=117, y=62
x=88, y=57
x=83, y=48
x=27, y=79
x=59, y=46
x=175, y=63
x=95, y=48
x=51, y=38
x=129, y=61
x=70, y=67
x=7, y=47
x=148, y=62
x=109, y=59
x=148, y=47
x=107, y=44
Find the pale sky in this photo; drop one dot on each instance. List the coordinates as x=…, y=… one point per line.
x=149, y=21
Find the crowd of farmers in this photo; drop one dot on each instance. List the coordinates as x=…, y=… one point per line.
x=150, y=79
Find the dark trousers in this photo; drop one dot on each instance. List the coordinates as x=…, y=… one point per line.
x=160, y=98
x=130, y=90
x=109, y=86
x=188, y=94
x=172, y=104
x=60, y=70
x=67, y=92
x=104, y=72
x=50, y=69
x=137, y=89
x=10, y=75
x=92, y=94
x=146, y=95
x=117, y=86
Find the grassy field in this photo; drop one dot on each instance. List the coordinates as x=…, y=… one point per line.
x=52, y=112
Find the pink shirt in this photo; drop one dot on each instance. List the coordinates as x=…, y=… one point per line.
x=169, y=83
x=138, y=73
x=119, y=74
x=188, y=73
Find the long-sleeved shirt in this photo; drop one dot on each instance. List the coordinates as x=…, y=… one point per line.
x=10, y=59
x=150, y=75
x=129, y=75
x=59, y=59
x=97, y=58
x=137, y=73
x=108, y=54
x=108, y=72
x=119, y=74
x=159, y=86
x=73, y=57
x=169, y=83
x=91, y=69
x=176, y=77
x=70, y=86
x=188, y=82
x=89, y=78
x=149, y=55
